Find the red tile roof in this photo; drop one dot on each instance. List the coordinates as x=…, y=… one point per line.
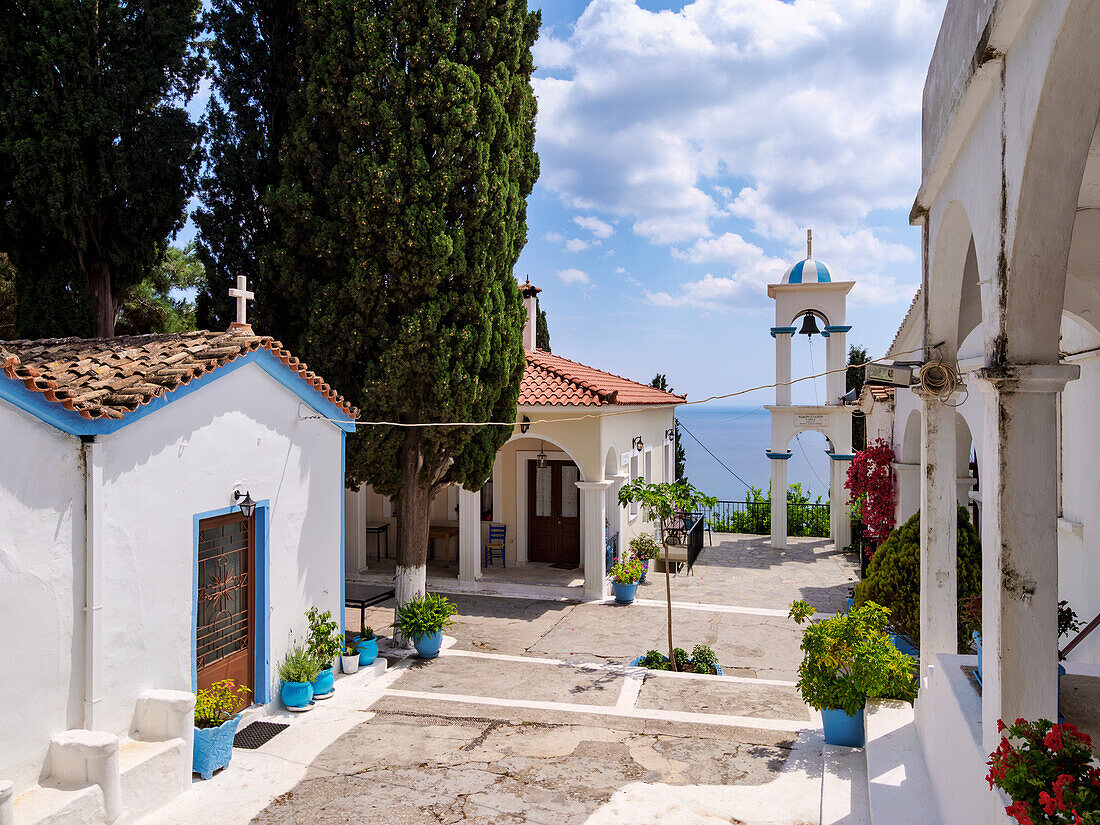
x=110, y=377
x=555, y=381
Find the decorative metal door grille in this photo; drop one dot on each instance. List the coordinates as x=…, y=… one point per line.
x=223, y=597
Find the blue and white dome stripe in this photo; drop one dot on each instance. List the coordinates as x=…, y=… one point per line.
x=808, y=271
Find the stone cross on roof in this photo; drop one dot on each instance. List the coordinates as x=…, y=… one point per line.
x=243, y=296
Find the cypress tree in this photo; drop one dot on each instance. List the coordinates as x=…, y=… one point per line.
x=402, y=212
x=252, y=52
x=542, y=329
x=97, y=154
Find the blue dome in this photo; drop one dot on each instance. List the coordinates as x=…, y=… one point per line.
x=808, y=271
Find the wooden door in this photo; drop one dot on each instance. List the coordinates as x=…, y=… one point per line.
x=224, y=640
x=554, y=524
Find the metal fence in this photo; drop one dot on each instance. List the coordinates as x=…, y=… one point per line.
x=611, y=550
x=755, y=517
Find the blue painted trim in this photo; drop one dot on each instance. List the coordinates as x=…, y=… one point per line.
x=777, y=456
x=839, y=456
x=838, y=329
x=52, y=413
x=343, y=528
x=782, y=331
x=261, y=550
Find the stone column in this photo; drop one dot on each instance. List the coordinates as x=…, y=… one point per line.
x=836, y=356
x=469, y=535
x=908, y=485
x=840, y=524
x=779, y=499
x=593, y=541
x=1020, y=543
x=782, y=336
x=938, y=531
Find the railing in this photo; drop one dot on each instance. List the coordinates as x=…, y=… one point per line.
x=755, y=517
x=694, y=538
x=611, y=550
x=1091, y=626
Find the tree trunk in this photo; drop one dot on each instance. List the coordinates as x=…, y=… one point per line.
x=668, y=597
x=413, y=509
x=104, y=307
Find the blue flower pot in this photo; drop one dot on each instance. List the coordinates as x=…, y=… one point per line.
x=624, y=593
x=324, y=684
x=368, y=650
x=296, y=694
x=427, y=647
x=213, y=747
x=842, y=729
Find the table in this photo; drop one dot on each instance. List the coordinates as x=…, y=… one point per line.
x=378, y=528
x=445, y=532
x=364, y=596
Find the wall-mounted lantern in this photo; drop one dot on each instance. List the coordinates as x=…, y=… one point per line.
x=637, y=443
x=245, y=503
x=525, y=424
x=670, y=434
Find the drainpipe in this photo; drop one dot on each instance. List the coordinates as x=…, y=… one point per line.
x=93, y=577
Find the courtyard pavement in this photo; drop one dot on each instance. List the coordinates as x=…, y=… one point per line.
x=530, y=715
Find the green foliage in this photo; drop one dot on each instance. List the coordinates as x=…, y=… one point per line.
x=626, y=571
x=324, y=640
x=254, y=72
x=663, y=501
x=853, y=380
x=97, y=153
x=160, y=303
x=299, y=665
x=542, y=329
x=893, y=577
x=366, y=635
x=425, y=616
x=850, y=658
x=7, y=299
x=660, y=382
x=644, y=547
x=702, y=660
x=219, y=702
x=803, y=518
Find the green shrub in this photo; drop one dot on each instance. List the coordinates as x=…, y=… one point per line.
x=219, y=702
x=299, y=665
x=325, y=640
x=703, y=660
x=425, y=616
x=645, y=547
x=893, y=577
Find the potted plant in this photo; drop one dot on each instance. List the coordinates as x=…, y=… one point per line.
x=847, y=660
x=1048, y=775
x=367, y=644
x=645, y=549
x=349, y=659
x=970, y=613
x=625, y=575
x=297, y=671
x=423, y=620
x=702, y=660
x=216, y=721
x=325, y=643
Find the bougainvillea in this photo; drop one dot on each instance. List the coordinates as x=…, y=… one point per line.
x=871, y=483
x=1048, y=775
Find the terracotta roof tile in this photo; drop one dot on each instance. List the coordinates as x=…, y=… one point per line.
x=555, y=381
x=110, y=377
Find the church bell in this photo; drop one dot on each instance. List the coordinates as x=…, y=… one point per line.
x=809, y=325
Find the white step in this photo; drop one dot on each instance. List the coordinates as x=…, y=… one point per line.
x=899, y=788
x=153, y=774
x=844, y=787
x=39, y=804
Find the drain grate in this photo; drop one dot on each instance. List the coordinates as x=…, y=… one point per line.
x=257, y=734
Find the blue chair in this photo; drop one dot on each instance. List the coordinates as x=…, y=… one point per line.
x=494, y=548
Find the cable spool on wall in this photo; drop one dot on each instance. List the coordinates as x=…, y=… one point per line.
x=939, y=379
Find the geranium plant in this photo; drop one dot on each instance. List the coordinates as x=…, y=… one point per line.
x=1046, y=771
x=644, y=547
x=871, y=483
x=626, y=571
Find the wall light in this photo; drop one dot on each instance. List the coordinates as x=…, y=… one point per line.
x=245, y=503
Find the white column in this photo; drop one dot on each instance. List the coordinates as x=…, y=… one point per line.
x=840, y=524
x=7, y=808
x=469, y=535
x=779, y=499
x=1020, y=543
x=938, y=532
x=836, y=356
x=593, y=541
x=908, y=484
x=782, y=366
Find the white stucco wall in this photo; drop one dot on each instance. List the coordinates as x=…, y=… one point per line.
x=239, y=431
x=41, y=612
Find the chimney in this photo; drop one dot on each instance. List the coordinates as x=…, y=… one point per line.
x=529, y=292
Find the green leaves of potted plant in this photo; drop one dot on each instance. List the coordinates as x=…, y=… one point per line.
x=625, y=575
x=423, y=620
x=216, y=721
x=367, y=644
x=349, y=659
x=325, y=643
x=849, y=659
x=645, y=549
x=297, y=671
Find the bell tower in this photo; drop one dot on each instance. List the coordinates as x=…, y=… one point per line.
x=808, y=302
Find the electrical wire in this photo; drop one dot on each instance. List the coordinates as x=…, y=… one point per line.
x=712, y=455
x=798, y=438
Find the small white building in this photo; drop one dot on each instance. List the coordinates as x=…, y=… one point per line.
x=594, y=431
x=126, y=562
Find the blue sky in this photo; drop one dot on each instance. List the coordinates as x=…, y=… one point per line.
x=685, y=150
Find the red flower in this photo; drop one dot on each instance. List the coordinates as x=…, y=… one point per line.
x=1047, y=801
x=1018, y=811
x=1000, y=725
x=1053, y=740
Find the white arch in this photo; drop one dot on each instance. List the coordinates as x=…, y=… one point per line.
x=531, y=434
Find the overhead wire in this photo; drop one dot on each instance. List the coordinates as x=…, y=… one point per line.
x=712, y=455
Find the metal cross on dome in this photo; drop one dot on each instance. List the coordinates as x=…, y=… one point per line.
x=243, y=296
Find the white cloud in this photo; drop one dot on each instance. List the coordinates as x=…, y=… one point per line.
x=555, y=237
x=574, y=276
x=598, y=228
x=579, y=244
x=620, y=270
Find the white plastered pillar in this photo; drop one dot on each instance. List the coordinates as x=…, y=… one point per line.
x=1020, y=543
x=779, y=499
x=593, y=544
x=938, y=531
x=908, y=486
x=840, y=525
x=782, y=336
x=836, y=357
x=469, y=535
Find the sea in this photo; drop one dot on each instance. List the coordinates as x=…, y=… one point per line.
x=724, y=450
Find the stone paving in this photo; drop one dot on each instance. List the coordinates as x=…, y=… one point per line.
x=532, y=717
